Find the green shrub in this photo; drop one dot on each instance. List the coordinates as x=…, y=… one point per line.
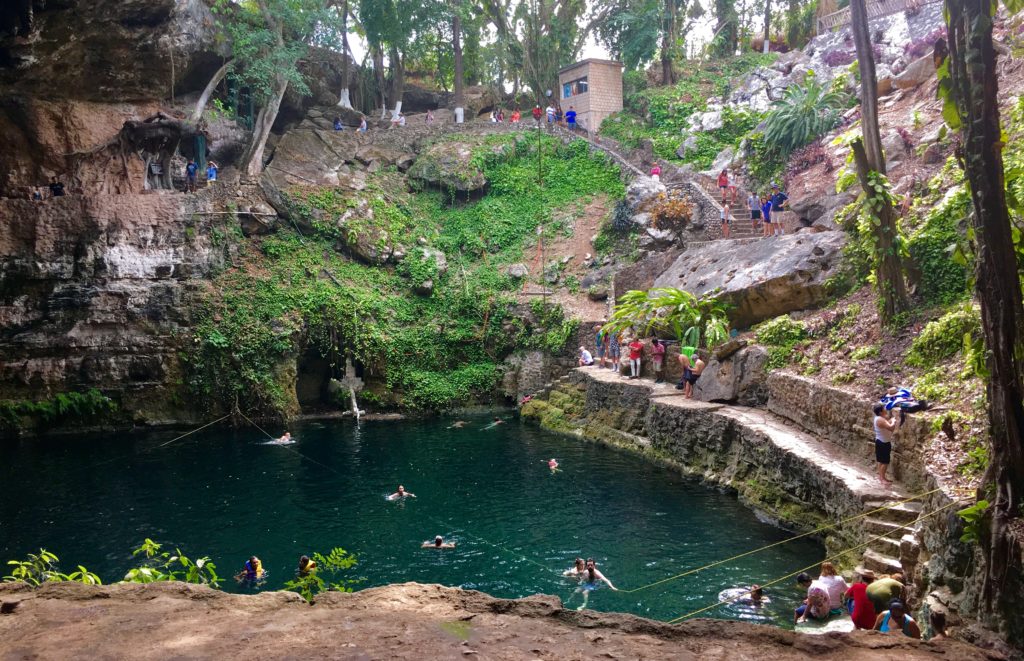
x=944, y=337
x=806, y=112
x=63, y=409
x=863, y=353
x=935, y=385
x=42, y=567
x=943, y=280
x=780, y=336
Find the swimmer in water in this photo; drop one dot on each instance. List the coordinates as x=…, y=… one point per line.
x=458, y=424
x=497, y=421
x=252, y=572
x=589, y=578
x=438, y=543
x=284, y=440
x=577, y=569
x=553, y=464
x=401, y=494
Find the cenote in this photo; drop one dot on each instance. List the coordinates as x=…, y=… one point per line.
x=225, y=494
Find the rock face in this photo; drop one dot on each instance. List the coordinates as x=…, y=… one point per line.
x=917, y=72
x=406, y=621
x=448, y=166
x=740, y=378
x=760, y=279
x=94, y=293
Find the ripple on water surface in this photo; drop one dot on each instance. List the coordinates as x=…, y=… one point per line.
x=517, y=524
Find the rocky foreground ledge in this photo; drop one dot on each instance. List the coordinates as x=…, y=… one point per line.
x=180, y=621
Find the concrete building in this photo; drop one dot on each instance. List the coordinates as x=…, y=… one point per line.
x=593, y=88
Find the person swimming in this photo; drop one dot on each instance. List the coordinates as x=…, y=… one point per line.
x=576, y=570
x=458, y=424
x=401, y=494
x=284, y=440
x=553, y=464
x=438, y=543
x=497, y=421
x=252, y=571
x=589, y=581
x=306, y=565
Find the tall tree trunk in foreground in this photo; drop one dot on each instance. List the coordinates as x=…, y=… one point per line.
x=668, y=43
x=974, y=87
x=397, y=79
x=460, y=100
x=767, y=26
x=892, y=289
x=204, y=98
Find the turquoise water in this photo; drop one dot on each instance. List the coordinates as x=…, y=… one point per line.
x=225, y=494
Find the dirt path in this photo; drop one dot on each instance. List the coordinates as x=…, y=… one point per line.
x=577, y=246
x=409, y=621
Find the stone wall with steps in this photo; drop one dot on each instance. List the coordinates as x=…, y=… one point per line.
x=796, y=479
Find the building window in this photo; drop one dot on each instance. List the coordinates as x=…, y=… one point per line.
x=576, y=87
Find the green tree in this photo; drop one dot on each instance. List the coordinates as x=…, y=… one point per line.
x=268, y=38
x=693, y=321
x=727, y=27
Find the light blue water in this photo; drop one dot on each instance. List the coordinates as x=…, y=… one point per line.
x=225, y=494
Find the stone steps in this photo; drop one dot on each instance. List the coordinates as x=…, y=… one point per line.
x=873, y=526
x=899, y=514
x=880, y=564
x=885, y=546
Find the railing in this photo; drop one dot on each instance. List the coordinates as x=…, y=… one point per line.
x=874, y=10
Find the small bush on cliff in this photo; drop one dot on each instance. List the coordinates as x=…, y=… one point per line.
x=42, y=567
x=780, y=336
x=161, y=566
x=63, y=409
x=945, y=337
x=943, y=279
x=326, y=575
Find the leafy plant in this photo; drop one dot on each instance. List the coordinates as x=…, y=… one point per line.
x=693, y=321
x=944, y=337
x=781, y=335
x=974, y=520
x=805, y=112
x=326, y=575
x=42, y=567
x=166, y=566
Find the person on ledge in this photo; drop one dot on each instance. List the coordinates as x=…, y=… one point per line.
x=658, y=359
x=636, y=351
x=693, y=367
x=885, y=427
x=862, y=611
x=438, y=543
x=586, y=359
x=401, y=494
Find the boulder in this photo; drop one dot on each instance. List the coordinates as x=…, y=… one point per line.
x=917, y=72
x=425, y=288
x=722, y=161
x=371, y=155
x=518, y=271
x=657, y=239
x=893, y=147
x=762, y=279
x=688, y=145
x=478, y=99
x=739, y=378
x=417, y=98
x=597, y=292
x=642, y=189
x=448, y=165
x=259, y=219
x=440, y=260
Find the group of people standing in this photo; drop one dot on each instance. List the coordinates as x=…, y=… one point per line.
x=609, y=348
x=761, y=207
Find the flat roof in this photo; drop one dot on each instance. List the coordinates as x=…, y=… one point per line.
x=590, y=60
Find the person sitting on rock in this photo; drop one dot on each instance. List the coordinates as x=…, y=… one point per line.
x=362, y=124
x=816, y=605
x=896, y=619
x=861, y=610
x=586, y=359
x=338, y=126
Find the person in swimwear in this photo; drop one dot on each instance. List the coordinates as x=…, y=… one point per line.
x=577, y=569
x=692, y=369
x=401, y=494
x=252, y=571
x=287, y=438
x=497, y=421
x=306, y=566
x=438, y=543
x=589, y=578
x=896, y=619
x=553, y=464
x=458, y=424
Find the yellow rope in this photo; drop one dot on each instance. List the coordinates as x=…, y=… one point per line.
x=157, y=447
x=798, y=571
x=779, y=543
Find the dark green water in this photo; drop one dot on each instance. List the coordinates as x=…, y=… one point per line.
x=225, y=494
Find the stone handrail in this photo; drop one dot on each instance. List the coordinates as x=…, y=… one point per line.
x=874, y=10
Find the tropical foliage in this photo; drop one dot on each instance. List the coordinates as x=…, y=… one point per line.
x=326, y=575
x=166, y=566
x=42, y=567
x=693, y=321
x=805, y=112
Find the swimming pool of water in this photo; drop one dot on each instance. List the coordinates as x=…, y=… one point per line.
x=226, y=494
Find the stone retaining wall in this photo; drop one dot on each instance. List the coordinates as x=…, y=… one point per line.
x=845, y=419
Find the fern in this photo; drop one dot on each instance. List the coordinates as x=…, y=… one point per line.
x=806, y=112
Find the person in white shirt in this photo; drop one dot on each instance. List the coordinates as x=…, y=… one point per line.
x=586, y=359
x=834, y=584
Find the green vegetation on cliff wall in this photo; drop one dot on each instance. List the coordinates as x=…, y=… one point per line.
x=422, y=347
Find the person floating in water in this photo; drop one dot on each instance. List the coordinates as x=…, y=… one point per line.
x=553, y=464
x=458, y=424
x=577, y=569
x=284, y=440
x=438, y=543
x=306, y=566
x=497, y=421
x=589, y=578
x=752, y=596
x=252, y=571
x=401, y=494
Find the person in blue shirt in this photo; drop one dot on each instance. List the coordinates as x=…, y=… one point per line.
x=337, y=124
x=778, y=202
x=191, y=171
x=211, y=173
x=570, y=118
x=766, y=215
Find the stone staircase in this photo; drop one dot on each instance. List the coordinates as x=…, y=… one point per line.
x=896, y=548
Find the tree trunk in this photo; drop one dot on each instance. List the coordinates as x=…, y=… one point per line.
x=397, y=79
x=892, y=288
x=378, y=72
x=767, y=25
x=460, y=83
x=344, y=99
x=668, y=45
x=972, y=69
x=204, y=98
x=252, y=159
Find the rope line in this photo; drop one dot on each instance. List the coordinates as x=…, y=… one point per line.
x=798, y=571
x=690, y=572
x=162, y=445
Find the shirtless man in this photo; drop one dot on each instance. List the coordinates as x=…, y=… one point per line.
x=438, y=543
x=589, y=578
x=692, y=370
x=458, y=424
x=401, y=493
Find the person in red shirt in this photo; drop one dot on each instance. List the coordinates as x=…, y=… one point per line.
x=723, y=185
x=636, y=349
x=861, y=609
x=537, y=112
x=656, y=172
